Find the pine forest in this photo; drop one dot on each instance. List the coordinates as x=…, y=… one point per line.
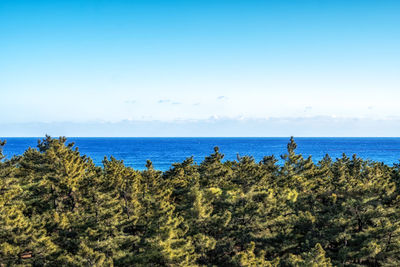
x=57, y=208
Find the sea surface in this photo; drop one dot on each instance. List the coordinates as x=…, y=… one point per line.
x=165, y=151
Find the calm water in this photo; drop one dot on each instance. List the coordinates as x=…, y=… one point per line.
x=165, y=151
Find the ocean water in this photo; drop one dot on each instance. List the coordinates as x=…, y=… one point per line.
x=165, y=151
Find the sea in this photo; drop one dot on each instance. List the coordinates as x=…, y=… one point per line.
x=163, y=152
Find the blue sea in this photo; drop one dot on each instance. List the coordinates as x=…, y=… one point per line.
x=165, y=151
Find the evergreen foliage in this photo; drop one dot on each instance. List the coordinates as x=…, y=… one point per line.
x=58, y=208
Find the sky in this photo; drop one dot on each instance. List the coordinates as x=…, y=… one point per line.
x=183, y=68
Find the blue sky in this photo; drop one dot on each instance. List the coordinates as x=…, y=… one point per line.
x=164, y=63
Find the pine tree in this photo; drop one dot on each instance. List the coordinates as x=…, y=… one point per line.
x=315, y=258
x=20, y=242
x=52, y=176
x=213, y=173
x=248, y=258
x=181, y=178
x=246, y=173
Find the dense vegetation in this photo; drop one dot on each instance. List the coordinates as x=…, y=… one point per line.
x=58, y=208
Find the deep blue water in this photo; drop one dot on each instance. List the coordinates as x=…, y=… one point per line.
x=165, y=151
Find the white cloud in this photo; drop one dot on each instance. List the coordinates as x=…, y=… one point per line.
x=307, y=108
x=319, y=126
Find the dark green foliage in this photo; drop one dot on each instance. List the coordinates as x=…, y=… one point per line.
x=58, y=208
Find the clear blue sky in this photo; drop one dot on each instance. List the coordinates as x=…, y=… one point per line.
x=115, y=61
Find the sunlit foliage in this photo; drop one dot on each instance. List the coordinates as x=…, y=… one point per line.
x=58, y=208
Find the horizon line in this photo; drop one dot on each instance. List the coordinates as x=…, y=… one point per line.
x=57, y=136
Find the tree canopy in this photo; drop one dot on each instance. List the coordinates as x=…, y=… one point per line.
x=58, y=208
